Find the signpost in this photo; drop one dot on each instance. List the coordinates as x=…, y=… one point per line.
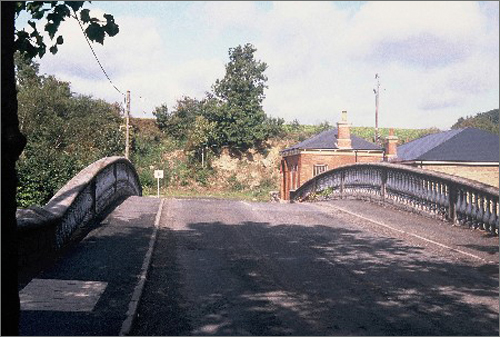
x=159, y=175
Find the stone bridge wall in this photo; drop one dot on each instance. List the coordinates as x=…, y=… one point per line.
x=458, y=200
x=83, y=200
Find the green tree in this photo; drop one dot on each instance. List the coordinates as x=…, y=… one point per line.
x=239, y=116
x=201, y=137
x=31, y=41
x=202, y=133
x=323, y=126
x=65, y=133
x=162, y=116
x=487, y=121
x=274, y=127
x=13, y=141
x=178, y=123
x=232, y=115
x=294, y=125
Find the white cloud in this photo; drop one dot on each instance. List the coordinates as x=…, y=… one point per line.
x=137, y=59
x=221, y=15
x=133, y=51
x=437, y=60
x=430, y=56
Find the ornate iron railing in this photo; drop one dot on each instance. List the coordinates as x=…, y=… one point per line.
x=84, y=199
x=459, y=200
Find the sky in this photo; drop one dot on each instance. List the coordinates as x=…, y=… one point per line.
x=436, y=61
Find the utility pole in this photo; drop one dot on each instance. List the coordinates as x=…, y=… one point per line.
x=127, y=116
x=377, y=93
x=203, y=157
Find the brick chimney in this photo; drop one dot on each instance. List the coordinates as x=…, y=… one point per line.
x=344, y=134
x=391, y=145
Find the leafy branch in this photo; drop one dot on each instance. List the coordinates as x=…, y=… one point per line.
x=30, y=40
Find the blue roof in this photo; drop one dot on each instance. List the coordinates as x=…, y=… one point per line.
x=327, y=140
x=465, y=145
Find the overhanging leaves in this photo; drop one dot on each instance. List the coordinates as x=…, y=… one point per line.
x=85, y=15
x=32, y=44
x=95, y=33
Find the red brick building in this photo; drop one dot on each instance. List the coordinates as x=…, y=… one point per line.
x=325, y=151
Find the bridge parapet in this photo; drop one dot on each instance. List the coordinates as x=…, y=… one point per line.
x=458, y=200
x=84, y=199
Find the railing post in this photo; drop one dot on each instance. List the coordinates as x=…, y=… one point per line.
x=115, y=176
x=383, y=186
x=342, y=180
x=93, y=194
x=452, y=199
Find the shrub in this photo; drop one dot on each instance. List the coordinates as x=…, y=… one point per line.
x=234, y=184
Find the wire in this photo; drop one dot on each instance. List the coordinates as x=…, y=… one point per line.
x=95, y=56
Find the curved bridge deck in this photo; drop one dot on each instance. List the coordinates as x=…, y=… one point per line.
x=224, y=267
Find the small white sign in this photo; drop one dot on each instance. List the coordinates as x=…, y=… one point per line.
x=159, y=174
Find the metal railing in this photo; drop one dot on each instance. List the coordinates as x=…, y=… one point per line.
x=82, y=200
x=458, y=200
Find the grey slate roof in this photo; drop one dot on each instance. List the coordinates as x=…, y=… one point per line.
x=464, y=145
x=327, y=140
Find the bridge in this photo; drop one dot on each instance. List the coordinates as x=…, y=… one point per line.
x=364, y=250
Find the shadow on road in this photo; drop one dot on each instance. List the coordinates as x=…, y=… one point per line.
x=111, y=252
x=257, y=278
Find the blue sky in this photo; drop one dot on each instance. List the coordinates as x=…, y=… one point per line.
x=437, y=61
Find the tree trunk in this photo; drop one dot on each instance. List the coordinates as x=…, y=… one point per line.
x=13, y=143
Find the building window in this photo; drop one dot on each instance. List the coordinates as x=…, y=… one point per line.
x=317, y=169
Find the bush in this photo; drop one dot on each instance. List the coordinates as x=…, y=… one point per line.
x=234, y=184
x=42, y=173
x=203, y=175
x=65, y=132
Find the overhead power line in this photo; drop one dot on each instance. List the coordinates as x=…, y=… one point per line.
x=95, y=55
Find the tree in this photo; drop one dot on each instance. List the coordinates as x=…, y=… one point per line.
x=323, y=126
x=13, y=141
x=65, y=133
x=201, y=137
x=274, y=127
x=162, y=116
x=232, y=115
x=33, y=44
x=295, y=125
x=178, y=123
x=487, y=121
x=240, y=118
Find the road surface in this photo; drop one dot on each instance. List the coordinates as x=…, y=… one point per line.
x=224, y=267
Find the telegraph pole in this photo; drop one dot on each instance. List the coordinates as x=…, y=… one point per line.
x=127, y=115
x=377, y=93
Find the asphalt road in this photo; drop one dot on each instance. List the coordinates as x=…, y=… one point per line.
x=235, y=268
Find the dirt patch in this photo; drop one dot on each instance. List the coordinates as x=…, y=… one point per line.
x=253, y=173
x=251, y=169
